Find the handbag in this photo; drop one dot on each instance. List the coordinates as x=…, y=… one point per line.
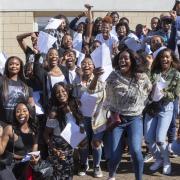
x=113, y=120
x=43, y=169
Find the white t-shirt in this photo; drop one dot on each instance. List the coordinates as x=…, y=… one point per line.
x=72, y=75
x=109, y=42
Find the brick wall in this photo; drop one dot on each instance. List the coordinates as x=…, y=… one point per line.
x=14, y=23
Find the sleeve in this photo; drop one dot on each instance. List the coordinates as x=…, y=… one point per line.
x=72, y=24
x=30, y=92
x=172, y=39
x=51, y=123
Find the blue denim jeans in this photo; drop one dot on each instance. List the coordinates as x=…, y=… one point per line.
x=134, y=128
x=156, y=132
x=172, y=128
x=97, y=152
x=176, y=147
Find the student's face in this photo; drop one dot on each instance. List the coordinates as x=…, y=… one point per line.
x=61, y=94
x=71, y=59
x=178, y=9
x=63, y=24
x=22, y=113
x=53, y=57
x=166, y=26
x=106, y=28
x=14, y=66
x=87, y=66
x=67, y=42
x=125, y=63
x=80, y=28
x=98, y=25
x=95, y=45
x=166, y=60
x=156, y=43
x=121, y=31
x=115, y=19
x=154, y=23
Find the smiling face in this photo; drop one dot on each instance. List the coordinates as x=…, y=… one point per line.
x=166, y=61
x=87, y=66
x=22, y=113
x=154, y=23
x=121, y=31
x=67, y=42
x=63, y=24
x=115, y=18
x=70, y=60
x=106, y=28
x=53, y=57
x=125, y=63
x=61, y=94
x=14, y=66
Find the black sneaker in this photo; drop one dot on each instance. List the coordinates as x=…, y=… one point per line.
x=98, y=172
x=148, y=158
x=83, y=169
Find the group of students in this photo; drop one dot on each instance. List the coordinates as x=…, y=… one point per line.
x=140, y=96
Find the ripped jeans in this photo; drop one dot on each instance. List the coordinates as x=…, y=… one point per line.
x=156, y=129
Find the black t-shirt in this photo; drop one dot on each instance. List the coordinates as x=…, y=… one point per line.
x=16, y=92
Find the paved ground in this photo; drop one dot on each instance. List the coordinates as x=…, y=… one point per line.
x=125, y=171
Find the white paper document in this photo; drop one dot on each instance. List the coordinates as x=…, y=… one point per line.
x=157, y=95
x=133, y=44
x=72, y=134
x=77, y=41
x=3, y=59
x=53, y=23
x=102, y=58
x=38, y=106
x=80, y=59
x=45, y=42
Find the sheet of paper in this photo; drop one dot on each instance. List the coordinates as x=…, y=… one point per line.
x=45, y=42
x=3, y=59
x=53, y=23
x=88, y=103
x=101, y=56
x=35, y=153
x=38, y=106
x=157, y=95
x=133, y=44
x=72, y=134
x=80, y=59
x=107, y=71
x=77, y=41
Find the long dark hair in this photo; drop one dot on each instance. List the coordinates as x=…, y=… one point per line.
x=32, y=121
x=20, y=76
x=133, y=57
x=57, y=107
x=60, y=16
x=21, y=72
x=156, y=66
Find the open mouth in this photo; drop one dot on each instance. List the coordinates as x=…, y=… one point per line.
x=22, y=119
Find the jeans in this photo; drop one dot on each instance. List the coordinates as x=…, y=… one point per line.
x=172, y=128
x=134, y=128
x=176, y=147
x=97, y=152
x=156, y=131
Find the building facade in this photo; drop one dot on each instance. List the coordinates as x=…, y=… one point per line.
x=21, y=16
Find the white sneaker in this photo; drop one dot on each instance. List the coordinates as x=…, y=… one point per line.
x=111, y=178
x=167, y=169
x=156, y=165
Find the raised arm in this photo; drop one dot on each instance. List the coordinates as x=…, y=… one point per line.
x=21, y=40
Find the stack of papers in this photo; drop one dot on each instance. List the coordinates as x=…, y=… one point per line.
x=3, y=59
